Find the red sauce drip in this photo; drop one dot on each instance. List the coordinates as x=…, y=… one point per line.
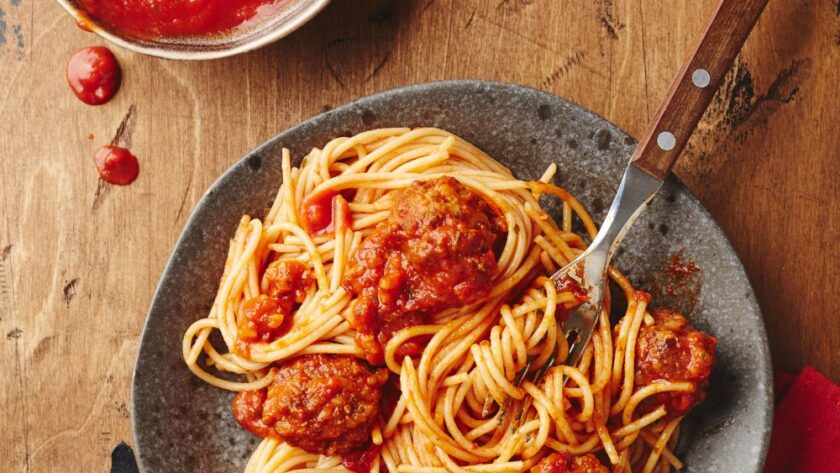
x=678, y=272
x=116, y=165
x=361, y=461
x=321, y=212
x=642, y=296
x=175, y=18
x=94, y=75
x=567, y=284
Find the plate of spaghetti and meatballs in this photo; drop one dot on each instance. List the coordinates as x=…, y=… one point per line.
x=369, y=292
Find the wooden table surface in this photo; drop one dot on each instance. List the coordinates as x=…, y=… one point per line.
x=79, y=264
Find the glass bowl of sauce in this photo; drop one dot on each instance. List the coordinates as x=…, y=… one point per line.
x=192, y=29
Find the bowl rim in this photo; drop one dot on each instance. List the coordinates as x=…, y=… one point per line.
x=277, y=32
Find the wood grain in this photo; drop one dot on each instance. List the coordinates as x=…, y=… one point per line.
x=79, y=263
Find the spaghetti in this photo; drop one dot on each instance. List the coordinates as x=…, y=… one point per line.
x=291, y=291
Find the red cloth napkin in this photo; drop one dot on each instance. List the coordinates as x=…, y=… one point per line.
x=806, y=426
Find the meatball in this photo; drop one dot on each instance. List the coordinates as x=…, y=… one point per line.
x=436, y=252
x=558, y=462
x=324, y=404
x=671, y=349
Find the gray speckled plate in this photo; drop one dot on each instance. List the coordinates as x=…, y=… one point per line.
x=181, y=424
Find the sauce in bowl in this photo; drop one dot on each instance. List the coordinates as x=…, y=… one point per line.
x=151, y=19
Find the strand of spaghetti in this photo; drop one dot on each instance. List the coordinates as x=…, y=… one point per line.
x=340, y=243
x=327, y=156
x=450, y=465
x=452, y=343
x=383, y=140
x=666, y=453
x=549, y=228
x=456, y=379
x=548, y=326
x=496, y=374
x=554, y=391
x=599, y=421
x=543, y=428
x=261, y=455
x=286, y=195
x=401, y=337
x=302, y=337
x=601, y=354
x=641, y=301
x=229, y=385
x=423, y=421
x=408, y=155
x=289, y=461
x=228, y=327
x=502, y=353
x=387, y=457
x=452, y=401
x=438, y=358
x=579, y=449
x=588, y=223
x=423, y=164
x=653, y=389
x=671, y=446
x=389, y=146
x=514, y=334
x=511, y=281
x=331, y=349
x=481, y=374
x=328, y=462
x=558, y=258
x=320, y=274
x=396, y=416
x=225, y=362
x=640, y=423
x=660, y=445
x=580, y=379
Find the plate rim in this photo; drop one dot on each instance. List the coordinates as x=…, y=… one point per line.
x=763, y=349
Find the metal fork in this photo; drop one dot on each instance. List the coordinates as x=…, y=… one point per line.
x=650, y=165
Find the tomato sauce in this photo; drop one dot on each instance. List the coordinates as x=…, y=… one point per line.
x=262, y=320
x=561, y=462
x=150, y=19
x=679, y=268
x=268, y=316
x=361, y=461
x=94, y=75
x=321, y=212
x=247, y=410
x=116, y=165
x=568, y=284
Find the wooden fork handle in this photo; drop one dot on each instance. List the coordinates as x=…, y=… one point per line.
x=695, y=85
